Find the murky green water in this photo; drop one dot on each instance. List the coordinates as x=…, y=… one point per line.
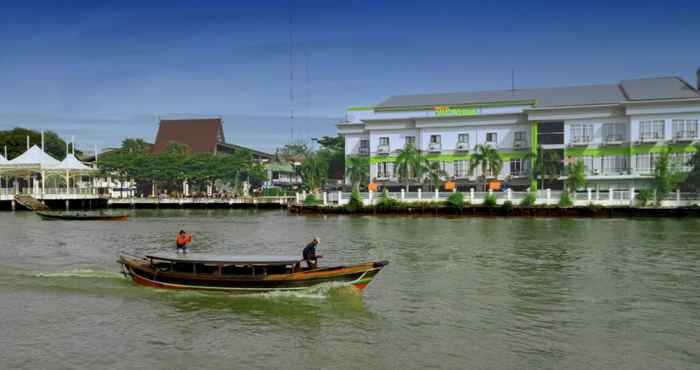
x=459, y=293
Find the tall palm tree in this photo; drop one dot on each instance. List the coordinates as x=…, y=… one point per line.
x=409, y=165
x=547, y=164
x=488, y=159
x=434, y=172
x=357, y=171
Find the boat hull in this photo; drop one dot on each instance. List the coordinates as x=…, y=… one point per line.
x=76, y=217
x=357, y=276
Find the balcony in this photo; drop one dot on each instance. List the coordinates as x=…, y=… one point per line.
x=363, y=151
x=613, y=140
x=383, y=149
x=519, y=144
x=434, y=147
x=580, y=141
x=685, y=136
x=651, y=138
x=462, y=146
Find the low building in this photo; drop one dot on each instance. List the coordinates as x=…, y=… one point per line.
x=282, y=175
x=618, y=130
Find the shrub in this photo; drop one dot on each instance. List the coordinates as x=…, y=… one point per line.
x=507, y=206
x=645, y=197
x=490, y=200
x=355, y=203
x=455, y=200
x=385, y=202
x=272, y=192
x=311, y=200
x=565, y=201
x=529, y=200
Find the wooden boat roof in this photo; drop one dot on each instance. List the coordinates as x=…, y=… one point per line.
x=217, y=259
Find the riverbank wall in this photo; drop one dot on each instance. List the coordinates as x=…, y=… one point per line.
x=501, y=211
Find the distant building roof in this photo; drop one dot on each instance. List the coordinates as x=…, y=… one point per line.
x=280, y=167
x=641, y=89
x=201, y=135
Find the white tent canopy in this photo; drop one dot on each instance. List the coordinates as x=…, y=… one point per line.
x=73, y=164
x=32, y=161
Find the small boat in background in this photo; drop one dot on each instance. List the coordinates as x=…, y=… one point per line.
x=82, y=216
x=241, y=274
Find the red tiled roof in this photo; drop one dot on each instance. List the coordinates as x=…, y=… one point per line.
x=201, y=135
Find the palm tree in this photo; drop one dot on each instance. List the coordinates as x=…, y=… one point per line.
x=434, y=172
x=486, y=158
x=547, y=164
x=409, y=165
x=357, y=171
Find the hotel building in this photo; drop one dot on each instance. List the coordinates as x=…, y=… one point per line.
x=617, y=130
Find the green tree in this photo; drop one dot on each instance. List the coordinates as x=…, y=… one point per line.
x=333, y=148
x=434, y=173
x=576, y=178
x=545, y=165
x=357, y=171
x=16, y=142
x=135, y=145
x=666, y=176
x=692, y=181
x=488, y=159
x=314, y=171
x=410, y=166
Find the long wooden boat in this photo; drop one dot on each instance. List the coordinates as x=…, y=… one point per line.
x=241, y=274
x=82, y=216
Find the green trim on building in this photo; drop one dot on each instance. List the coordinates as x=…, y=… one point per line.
x=533, y=151
x=382, y=158
x=652, y=148
x=456, y=106
x=597, y=152
x=360, y=108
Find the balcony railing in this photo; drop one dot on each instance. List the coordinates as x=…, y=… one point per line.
x=462, y=146
x=613, y=139
x=517, y=144
x=434, y=147
x=383, y=149
x=363, y=151
x=685, y=135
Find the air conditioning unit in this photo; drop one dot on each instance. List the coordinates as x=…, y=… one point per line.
x=434, y=147
x=463, y=147
x=383, y=149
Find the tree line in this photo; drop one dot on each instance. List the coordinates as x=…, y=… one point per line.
x=176, y=164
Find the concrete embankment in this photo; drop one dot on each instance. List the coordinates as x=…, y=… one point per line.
x=499, y=211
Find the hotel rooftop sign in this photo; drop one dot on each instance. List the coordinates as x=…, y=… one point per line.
x=446, y=111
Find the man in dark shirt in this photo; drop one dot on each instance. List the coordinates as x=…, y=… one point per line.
x=309, y=254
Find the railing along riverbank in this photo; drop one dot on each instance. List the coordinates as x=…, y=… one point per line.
x=201, y=202
x=546, y=197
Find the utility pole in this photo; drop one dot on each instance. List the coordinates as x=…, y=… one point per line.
x=291, y=71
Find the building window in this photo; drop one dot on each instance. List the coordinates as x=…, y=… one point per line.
x=385, y=170
x=518, y=167
x=519, y=136
x=614, y=164
x=460, y=168
x=410, y=140
x=651, y=130
x=681, y=161
x=645, y=163
x=613, y=132
x=581, y=134
x=435, y=139
x=685, y=128
x=383, y=141
x=463, y=138
x=364, y=146
x=491, y=138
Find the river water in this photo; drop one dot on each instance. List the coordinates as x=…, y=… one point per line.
x=486, y=293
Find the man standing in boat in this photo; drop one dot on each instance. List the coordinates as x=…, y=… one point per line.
x=182, y=240
x=309, y=253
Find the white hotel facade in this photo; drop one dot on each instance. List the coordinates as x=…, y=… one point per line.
x=617, y=130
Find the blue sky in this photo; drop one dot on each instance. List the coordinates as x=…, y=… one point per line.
x=104, y=71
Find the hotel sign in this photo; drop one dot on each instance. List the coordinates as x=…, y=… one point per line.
x=445, y=111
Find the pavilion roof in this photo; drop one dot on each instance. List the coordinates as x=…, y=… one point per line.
x=34, y=156
x=71, y=163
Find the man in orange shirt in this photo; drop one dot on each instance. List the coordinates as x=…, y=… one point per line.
x=182, y=240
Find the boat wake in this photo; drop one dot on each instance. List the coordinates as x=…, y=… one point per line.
x=321, y=291
x=81, y=273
